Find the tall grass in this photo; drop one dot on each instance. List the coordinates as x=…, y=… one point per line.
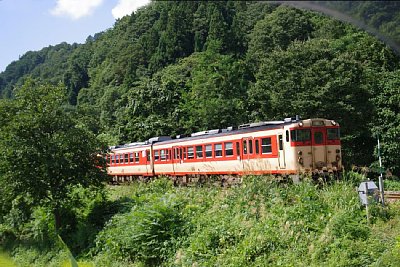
x=262, y=222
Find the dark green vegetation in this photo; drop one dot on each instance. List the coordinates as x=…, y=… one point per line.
x=174, y=68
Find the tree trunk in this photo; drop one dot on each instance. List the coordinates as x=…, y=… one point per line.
x=57, y=219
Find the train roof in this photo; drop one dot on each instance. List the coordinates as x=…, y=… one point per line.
x=244, y=128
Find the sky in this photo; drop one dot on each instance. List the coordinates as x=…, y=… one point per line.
x=30, y=25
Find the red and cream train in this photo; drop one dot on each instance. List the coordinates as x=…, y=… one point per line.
x=289, y=147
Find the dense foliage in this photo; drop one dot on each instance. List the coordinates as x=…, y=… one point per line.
x=173, y=68
x=45, y=154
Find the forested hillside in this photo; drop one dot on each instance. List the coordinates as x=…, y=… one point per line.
x=177, y=67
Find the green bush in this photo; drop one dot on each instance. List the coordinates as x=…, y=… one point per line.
x=261, y=222
x=148, y=234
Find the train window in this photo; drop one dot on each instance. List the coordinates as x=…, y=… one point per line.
x=218, y=150
x=237, y=149
x=168, y=154
x=126, y=158
x=148, y=155
x=180, y=153
x=266, y=145
x=162, y=155
x=156, y=155
x=287, y=136
x=184, y=153
x=257, y=144
x=280, y=139
x=245, y=147
x=208, y=151
x=176, y=153
x=318, y=138
x=190, y=152
x=199, y=152
x=229, y=149
x=112, y=159
x=333, y=133
x=131, y=157
x=137, y=157
x=117, y=159
x=300, y=135
x=250, y=146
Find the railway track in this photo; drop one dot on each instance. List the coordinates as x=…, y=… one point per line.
x=392, y=195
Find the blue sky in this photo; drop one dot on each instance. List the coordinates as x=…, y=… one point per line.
x=30, y=25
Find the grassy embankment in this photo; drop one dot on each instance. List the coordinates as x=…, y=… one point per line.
x=260, y=223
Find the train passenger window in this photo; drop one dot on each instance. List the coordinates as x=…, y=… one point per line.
x=257, y=144
x=250, y=146
x=190, y=152
x=168, y=154
x=199, y=152
x=229, y=149
x=156, y=155
x=162, y=155
x=208, y=151
x=181, y=153
x=244, y=146
x=318, y=138
x=126, y=158
x=184, y=153
x=112, y=159
x=176, y=153
x=137, y=157
x=131, y=157
x=266, y=145
x=218, y=150
x=237, y=149
x=333, y=133
x=117, y=159
x=148, y=155
x=300, y=135
x=287, y=136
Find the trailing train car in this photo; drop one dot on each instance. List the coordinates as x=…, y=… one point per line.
x=289, y=148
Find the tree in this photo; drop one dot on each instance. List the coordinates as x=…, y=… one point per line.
x=217, y=94
x=44, y=151
x=387, y=120
x=314, y=80
x=277, y=31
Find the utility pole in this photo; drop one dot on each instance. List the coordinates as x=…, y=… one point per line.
x=381, y=190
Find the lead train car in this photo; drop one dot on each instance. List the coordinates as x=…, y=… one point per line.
x=288, y=147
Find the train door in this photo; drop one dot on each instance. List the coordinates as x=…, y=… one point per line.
x=176, y=158
x=318, y=147
x=145, y=160
x=246, y=153
x=281, y=152
x=150, y=158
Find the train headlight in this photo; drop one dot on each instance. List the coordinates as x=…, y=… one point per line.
x=333, y=122
x=300, y=124
x=300, y=153
x=300, y=160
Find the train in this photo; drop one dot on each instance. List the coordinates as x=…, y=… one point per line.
x=286, y=148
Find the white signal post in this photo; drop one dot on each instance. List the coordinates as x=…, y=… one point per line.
x=381, y=190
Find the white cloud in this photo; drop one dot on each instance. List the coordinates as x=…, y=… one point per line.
x=126, y=7
x=75, y=9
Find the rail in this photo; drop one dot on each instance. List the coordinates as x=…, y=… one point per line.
x=392, y=195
